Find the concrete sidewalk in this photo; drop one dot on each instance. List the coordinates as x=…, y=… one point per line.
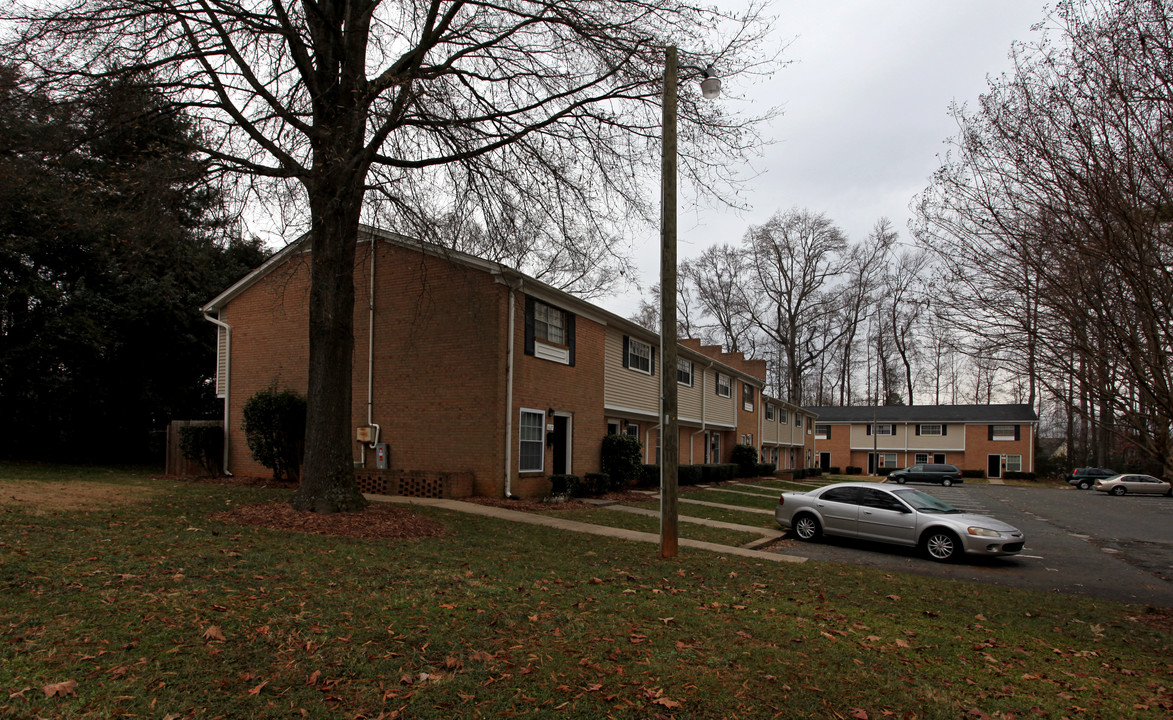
x=575, y=526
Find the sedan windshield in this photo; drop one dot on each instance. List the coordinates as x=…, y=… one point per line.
x=924, y=502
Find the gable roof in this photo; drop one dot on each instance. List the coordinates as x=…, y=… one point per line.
x=505, y=274
x=981, y=414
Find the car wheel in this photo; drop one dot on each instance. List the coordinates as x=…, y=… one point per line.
x=947, y=482
x=806, y=528
x=1119, y=490
x=941, y=545
x=1084, y=485
x=899, y=481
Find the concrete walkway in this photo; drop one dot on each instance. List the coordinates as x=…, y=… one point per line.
x=576, y=526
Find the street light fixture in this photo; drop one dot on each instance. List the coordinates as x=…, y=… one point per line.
x=669, y=422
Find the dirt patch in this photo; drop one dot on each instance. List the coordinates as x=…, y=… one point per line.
x=377, y=522
x=58, y=496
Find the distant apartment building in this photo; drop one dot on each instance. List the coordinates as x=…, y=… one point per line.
x=994, y=439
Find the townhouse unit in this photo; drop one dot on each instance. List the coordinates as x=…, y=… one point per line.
x=993, y=439
x=469, y=368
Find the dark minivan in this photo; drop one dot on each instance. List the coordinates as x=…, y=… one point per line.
x=1083, y=478
x=928, y=472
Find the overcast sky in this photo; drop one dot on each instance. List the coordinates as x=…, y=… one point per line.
x=864, y=113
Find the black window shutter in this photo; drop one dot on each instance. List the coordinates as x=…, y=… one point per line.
x=717, y=383
x=944, y=429
x=1017, y=432
x=625, y=362
x=991, y=428
x=653, y=366
x=869, y=429
x=918, y=429
x=828, y=432
x=570, y=335
x=529, y=325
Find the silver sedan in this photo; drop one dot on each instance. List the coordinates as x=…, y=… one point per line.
x=1140, y=484
x=902, y=516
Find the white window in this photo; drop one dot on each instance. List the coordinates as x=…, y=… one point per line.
x=747, y=396
x=612, y=427
x=1002, y=432
x=822, y=432
x=631, y=429
x=531, y=456
x=930, y=429
x=639, y=356
x=888, y=460
x=886, y=429
x=782, y=415
x=1013, y=463
x=769, y=411
x=921, y=458
x=684, y=371
x=549, y=324
x=724, y=385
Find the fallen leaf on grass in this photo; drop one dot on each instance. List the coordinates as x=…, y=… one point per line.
x=257, y=689
x=666, y=703
x=61, y=689
x=313, y=678
x=214, y=633
x=859, y=714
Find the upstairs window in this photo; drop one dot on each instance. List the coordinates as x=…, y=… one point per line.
x=931, y=429
x=549, y=332
x=684, y=371
x=822, y=432
x=637, y=355
x=769, y=411
x=747, y=396
x=885, y=429
x=1004, y=432
x=783, y=415
x=724, y=385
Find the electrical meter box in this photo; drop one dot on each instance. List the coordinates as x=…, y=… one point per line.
x=382, y=456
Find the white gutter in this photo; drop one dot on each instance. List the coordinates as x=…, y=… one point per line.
x=227, y=377
x=509, y=342
x=704, y=404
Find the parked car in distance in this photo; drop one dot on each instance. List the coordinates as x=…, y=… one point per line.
x=1139, y=484
x=1083, y=478
x=928, y=472
x=897, y=515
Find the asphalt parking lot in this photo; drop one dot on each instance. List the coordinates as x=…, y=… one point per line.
x=1077, y=542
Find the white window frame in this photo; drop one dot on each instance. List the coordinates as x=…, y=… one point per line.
x=747, y=390
x=1013, y=463
x=631, y=430
x=921, y=459
x=639, y=354
x=889, y=429
x=550, y=324
x=523, y=441
x=825, y=433
x=936, y=427
x=783, y=415
x=727, y=386
x=884, y=457
x=1003, y=436
x=684, y=370
x=770, y=411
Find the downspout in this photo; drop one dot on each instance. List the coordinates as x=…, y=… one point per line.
x=371, y=361
x=704, y=403
x=227, y=377
x=509, y=343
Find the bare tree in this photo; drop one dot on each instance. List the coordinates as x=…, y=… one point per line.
x=864, y=266
x=526, y=118
x=795, y=256
x=1060, y=195
x=717, y=278
x=904, y=303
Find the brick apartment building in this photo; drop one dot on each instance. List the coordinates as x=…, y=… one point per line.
x=994, y=439
x=468, y=367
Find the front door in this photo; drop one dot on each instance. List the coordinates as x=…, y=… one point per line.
x=561, y=445
x=993, y=466
x=825, y=461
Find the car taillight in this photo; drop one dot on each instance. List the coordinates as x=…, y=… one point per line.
x=781, y=499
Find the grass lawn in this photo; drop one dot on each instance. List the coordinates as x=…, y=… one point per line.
x=738, y=517
x=648, y=524
x=134, y=602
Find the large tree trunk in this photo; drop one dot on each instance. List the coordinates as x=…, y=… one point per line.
x=327, y=474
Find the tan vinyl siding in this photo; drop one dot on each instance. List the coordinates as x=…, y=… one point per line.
x=688, y=399
x=720, y=410
x=627, y=388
